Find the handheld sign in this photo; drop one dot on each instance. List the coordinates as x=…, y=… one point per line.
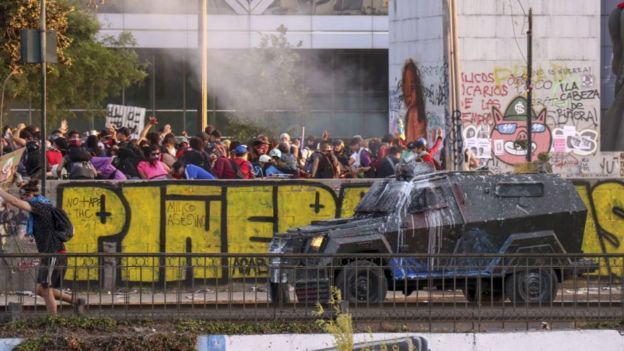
x=130, y=117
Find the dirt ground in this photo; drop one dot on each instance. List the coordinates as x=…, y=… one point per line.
x=74, y=333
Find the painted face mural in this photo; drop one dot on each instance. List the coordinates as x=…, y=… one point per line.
x=411, y=86
x=509, y=135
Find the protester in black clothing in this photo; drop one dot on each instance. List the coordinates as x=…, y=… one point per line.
x=127, y=161
x=342, y=157
x=41, y=227
x=123, y=137
x=195, y=154
x=77, y=161
x=325, y=164
x=32, y=156
x=387, y=165
x=94, y=147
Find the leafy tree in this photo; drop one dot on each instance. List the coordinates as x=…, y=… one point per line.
x=90, y=69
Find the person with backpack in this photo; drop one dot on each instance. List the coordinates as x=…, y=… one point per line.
x=50, y=227
x=195, y=154
x=77, y=161
x=325, y=165
x=241, y=166
x=387, y=166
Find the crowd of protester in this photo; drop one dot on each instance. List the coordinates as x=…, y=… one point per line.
x=157, y=153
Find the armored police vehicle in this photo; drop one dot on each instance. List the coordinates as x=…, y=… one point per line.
x=450, y=230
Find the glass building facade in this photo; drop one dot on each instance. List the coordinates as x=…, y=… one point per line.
x=343, y=42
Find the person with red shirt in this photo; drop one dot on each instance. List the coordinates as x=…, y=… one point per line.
x=241, y=162
x=422, y=154
x=221, y=165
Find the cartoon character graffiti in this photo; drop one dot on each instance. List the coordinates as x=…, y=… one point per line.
x=509, y=135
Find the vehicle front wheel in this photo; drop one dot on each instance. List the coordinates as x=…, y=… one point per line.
x=532, y=286
x=362, y=281
x=278, y=293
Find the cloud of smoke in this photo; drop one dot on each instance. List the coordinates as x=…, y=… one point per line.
x=279, y=87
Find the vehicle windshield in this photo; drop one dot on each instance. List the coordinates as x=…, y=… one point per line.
x=383, y=197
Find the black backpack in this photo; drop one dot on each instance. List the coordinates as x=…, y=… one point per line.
x=63, y=229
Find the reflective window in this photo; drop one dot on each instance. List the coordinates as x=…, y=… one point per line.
x=519, y=189
x=425, y=199
x=342, y=96
x=245, y=7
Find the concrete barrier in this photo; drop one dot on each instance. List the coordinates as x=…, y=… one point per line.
x=604, y=340
x=9, y=344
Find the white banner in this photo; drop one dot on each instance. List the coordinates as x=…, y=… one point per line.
x=126, y=116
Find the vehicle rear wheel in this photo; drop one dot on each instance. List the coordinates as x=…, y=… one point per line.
x=532, y=286
x=278, y=293
x=362, y=281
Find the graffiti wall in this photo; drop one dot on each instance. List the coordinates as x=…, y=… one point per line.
x=237, y=217
x=234, y=217
x=174, y=217
x=565, y=83
x=418, y=76
x=418, y=101
x=565, y=118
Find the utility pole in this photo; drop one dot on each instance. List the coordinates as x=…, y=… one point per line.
x=44, y=51
x=203, y=47
x=530, y=87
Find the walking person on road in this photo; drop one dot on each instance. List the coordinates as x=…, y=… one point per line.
x=42, y=226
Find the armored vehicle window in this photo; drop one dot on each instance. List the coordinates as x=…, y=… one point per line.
x=383, y=197
x=519, y=189
x=425, y=199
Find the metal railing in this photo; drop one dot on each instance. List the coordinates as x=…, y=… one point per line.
x=454, y=291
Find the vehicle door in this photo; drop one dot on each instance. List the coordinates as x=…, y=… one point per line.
x=436, y=223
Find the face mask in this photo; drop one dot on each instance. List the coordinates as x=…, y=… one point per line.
x=74, y=142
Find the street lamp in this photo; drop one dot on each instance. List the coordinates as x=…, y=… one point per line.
x=4, y=83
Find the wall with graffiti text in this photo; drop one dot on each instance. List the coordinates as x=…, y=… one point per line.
x=241, y=217
x=565, y=85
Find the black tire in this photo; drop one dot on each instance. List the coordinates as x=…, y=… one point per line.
x=278, y=293
x=408, y=290
x=362, y=281
x=484, y=293
x=532, y=286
